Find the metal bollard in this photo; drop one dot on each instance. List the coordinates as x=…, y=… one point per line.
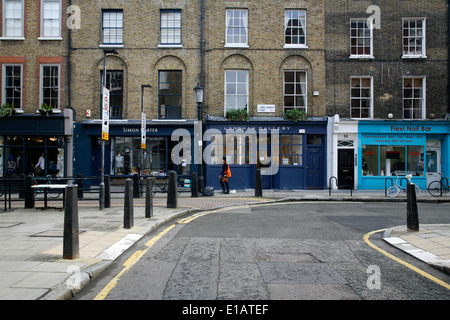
x=194, y=185
x=29, y=193
x=258, y=184
x=412, y=216
x=101, y=196
x=172, y=190
x=128, y=215
x=136, y=193
x=148, y=198
x=80, y=186
x=107, y=191
x=71, y=248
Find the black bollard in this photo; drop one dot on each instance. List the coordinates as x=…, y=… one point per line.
x=128, y=216
x=412, y=216
x=194, y=185
x=136, y=186
x=107, y=191
x=29, y=193
x=172, y=190
x=71, y=247
x=258, y=184
x=201, y=184
x=148, y=198
x=80, y=186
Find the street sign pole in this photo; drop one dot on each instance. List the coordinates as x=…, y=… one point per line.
x=105, y=137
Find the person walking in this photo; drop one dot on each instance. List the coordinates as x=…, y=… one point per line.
x=40, y=166
x=224, y=175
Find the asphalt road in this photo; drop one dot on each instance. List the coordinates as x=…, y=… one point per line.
x=289, y=251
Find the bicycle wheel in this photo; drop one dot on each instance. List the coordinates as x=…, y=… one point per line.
x=434, y=188
x=393, y=191
x=417, y=190
x=54, y=193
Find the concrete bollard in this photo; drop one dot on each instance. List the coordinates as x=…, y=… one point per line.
x=258, y=184
x=128, y=214
x=194, y=185
x=172, y=190
x=412, y=216
x=71, y=247
x=148, y=198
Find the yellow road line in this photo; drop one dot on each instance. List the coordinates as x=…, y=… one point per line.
x=131, y=261
x=410, y=266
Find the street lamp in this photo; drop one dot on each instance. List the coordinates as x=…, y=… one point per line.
x=143, y=126
x=198, y=92
x=102, y=183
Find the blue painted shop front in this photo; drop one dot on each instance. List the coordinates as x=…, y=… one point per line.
x=295, y=159
x=390, y=149
x=123, y=155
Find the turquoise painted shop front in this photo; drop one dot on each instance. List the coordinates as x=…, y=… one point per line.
x=391, y=149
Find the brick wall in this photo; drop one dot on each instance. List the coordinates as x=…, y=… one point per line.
x=388, y=67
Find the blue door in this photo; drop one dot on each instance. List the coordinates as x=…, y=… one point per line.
x=314, y=168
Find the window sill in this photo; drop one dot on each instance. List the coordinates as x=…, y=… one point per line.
x=237, y=46
x=170, y=46
x=50, y=38
x=362, y=57
x=13, y=38
x=111, y=46
x=295, y=46
x=410, y=56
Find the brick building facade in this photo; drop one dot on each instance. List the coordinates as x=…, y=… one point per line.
x=267, y=57
x=387, y=91
x=34, y=72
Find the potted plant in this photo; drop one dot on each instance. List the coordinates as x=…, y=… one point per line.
x=295, y=115
x=237, y=115
x=45, y=109
x=7, y=110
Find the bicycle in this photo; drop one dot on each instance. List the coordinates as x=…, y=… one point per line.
x=438, y=188
x=394, y=190
x=52, y=193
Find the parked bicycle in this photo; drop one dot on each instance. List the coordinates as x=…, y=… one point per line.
x=440, y=187
x=52, y=193
x=395, y=189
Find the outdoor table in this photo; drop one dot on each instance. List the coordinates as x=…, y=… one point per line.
x=47, y=186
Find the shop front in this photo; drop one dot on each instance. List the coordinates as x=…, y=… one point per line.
x=35, y=144
x=391, y=149
x=123, y=153
x=290, y=155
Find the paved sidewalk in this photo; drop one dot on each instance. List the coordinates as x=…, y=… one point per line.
x=31, y=240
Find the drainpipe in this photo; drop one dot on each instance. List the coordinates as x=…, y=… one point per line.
x=448, y=58
x=202, y=42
